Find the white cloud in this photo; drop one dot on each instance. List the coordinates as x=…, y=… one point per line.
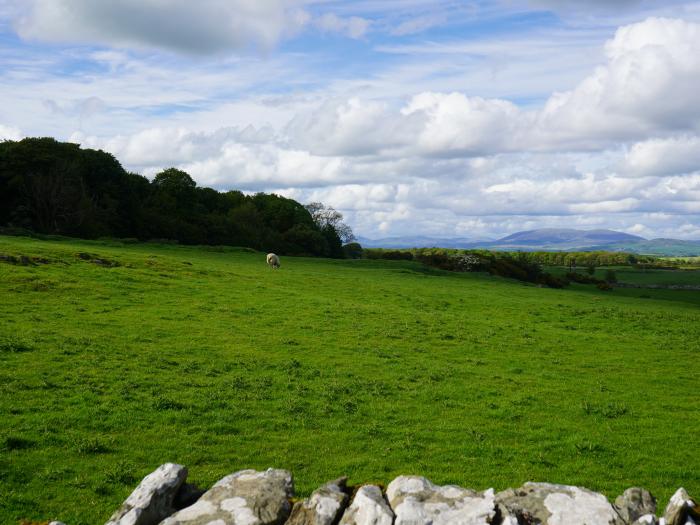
x=460, y=125
x=353, y=27
x=205, y=26
x=419, y=23
x=660, y=157
x=393, y=149
x=350, y=127
x=9, y=133
x=648, y=85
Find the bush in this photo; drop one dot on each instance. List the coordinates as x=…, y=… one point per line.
x=551, y=281
x=352, y=250
x=610, y=276
x=397, y=255
x=604, y=286
x=582, y=279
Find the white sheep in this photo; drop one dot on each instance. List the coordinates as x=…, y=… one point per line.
x=273, y=260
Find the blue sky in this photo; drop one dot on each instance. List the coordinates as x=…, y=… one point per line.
x=449, y=118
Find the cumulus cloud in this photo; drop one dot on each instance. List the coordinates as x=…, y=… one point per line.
x=9, y=133
x=351, y=127
x=618, y=149
x=660, y=157
x=648, y=85
x=461, y=125
x=205, y=26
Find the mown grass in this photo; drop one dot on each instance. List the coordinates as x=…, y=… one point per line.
x=206, y=357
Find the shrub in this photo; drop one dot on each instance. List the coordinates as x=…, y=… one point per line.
x=582, y=279
x=352, y=250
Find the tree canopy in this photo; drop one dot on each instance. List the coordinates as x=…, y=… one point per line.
x=53, y=187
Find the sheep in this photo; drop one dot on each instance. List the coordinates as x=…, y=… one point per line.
x=273, y=261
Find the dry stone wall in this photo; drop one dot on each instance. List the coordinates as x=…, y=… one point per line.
x=250, y=497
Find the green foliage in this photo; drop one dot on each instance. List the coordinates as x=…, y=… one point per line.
x=509, y=265
x=50, y=187
x=610, y=276
x=353, y=250
x=370, y=368
x=582, y=279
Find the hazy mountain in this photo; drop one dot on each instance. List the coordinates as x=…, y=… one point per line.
x=665, y=247
x=549, y=239
x=568, y=236
x=420, y=241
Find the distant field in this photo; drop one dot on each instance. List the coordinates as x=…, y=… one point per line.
x=627, y=274
x=686, y=262
x=208, y=358
x=660, y=277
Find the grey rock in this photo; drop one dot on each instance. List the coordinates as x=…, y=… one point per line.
x=550, y=504
x=417, y=501
x=56, y=523
x=368, y=508
x=247, y=497
x=153, y=499
x=634, y=503
x=647, y=519
x=323, y=507
x=681, y=509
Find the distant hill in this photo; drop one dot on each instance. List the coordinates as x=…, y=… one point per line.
x=549, y=239
x=568, y=236
x=420, y=241
x=662, y=247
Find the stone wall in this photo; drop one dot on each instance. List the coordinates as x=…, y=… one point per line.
x=249, y=497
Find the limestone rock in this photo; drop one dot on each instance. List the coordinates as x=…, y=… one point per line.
x=417, y=501
x=153, y=499
x=56, y=523
x=634, y=503
x=368, y=508
x=681, y=509
x=247, y=497
x=550, y=504
x=324, y=507
x=647, y=519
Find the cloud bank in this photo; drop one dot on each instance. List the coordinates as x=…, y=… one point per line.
x=391, y=149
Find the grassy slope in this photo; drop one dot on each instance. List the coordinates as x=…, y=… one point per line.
x=369, y=368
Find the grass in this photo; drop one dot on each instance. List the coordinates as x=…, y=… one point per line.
x=206, y=357
x=640, y=276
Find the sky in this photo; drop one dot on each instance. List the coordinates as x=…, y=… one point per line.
x=469, y=119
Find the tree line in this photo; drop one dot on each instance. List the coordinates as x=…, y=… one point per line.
x=53, y=187
x=568, y=259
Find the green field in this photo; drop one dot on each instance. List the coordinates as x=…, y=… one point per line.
x=656, y=277
x=641, y=276
x=207, y=357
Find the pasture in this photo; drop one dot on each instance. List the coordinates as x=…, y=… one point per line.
x=117, y=358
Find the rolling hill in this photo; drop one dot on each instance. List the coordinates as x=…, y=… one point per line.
x=550, y=239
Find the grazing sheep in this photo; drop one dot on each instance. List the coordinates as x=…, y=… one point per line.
x=273, y=260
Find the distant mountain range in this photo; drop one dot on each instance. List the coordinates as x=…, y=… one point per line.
x=549, y=239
